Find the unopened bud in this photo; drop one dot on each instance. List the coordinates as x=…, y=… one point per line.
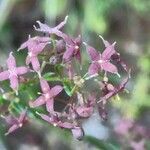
x=78, y=133
x=78, y=81
x=60, y=46
x=53, y=60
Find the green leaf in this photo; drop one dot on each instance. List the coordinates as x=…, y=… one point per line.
x=50, y=76
x=102, y=145
x=68, y=87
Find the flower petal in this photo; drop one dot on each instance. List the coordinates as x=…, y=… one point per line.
x=109, y=67
x=56, y=90
x=108, y=52
x=42, y=27
x=4, y=75
x=68, y=53
x=11, y=62
x=38, y=102
x=28, y=60
x=14, y=82
x=35, y=64
x=12, y=129
x=84, y=111
x=22, y=116
x=106, y=43
x=45, y=117
x=78, y=40
x=61, y=25
x=23, y=46
x=10, y=120
x=124, y=82
x=66, y=125
x=44, y=85
x=45, y=28
x=78, y=56
x=22, y=70
x=50, y=105
x=94, y=55
x=35, y=46
x=93, y=69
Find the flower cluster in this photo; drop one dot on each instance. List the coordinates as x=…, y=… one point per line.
x=58, y=50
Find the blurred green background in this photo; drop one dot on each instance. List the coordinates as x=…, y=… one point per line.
x=124, y=21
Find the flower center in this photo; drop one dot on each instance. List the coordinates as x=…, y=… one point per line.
x=12, y=72
x=100, y=61
x=20, y=125
x=30, y=54
x=76, y=47
x=47, y=96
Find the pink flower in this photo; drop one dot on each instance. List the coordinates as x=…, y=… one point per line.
x=60, y=46
x=47, y=96
x=138, y=145
x=106, y=87
x=114, y=91
x=86, y=109
x=16, y=123
x=55, y=121
x=72, y=45
x=101, y=61
x=116, y=56
x=55, y=30
x=72, y=48
x=13, y=72
x=35, y=46
x=78, y=133
x=123, y=126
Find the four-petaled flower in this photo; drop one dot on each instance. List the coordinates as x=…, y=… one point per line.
x=55, y=121
x=16, y=123
x=86, y=109
x=35, y=46
x=72, y=48
x=13, y=72
x=55, y=30
x=101, y=61
x=47, y=96
x=115, y=90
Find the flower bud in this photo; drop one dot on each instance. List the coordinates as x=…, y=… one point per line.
x=78, y=81
x=60, y=46
x=78, y=133
x=53, y=60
